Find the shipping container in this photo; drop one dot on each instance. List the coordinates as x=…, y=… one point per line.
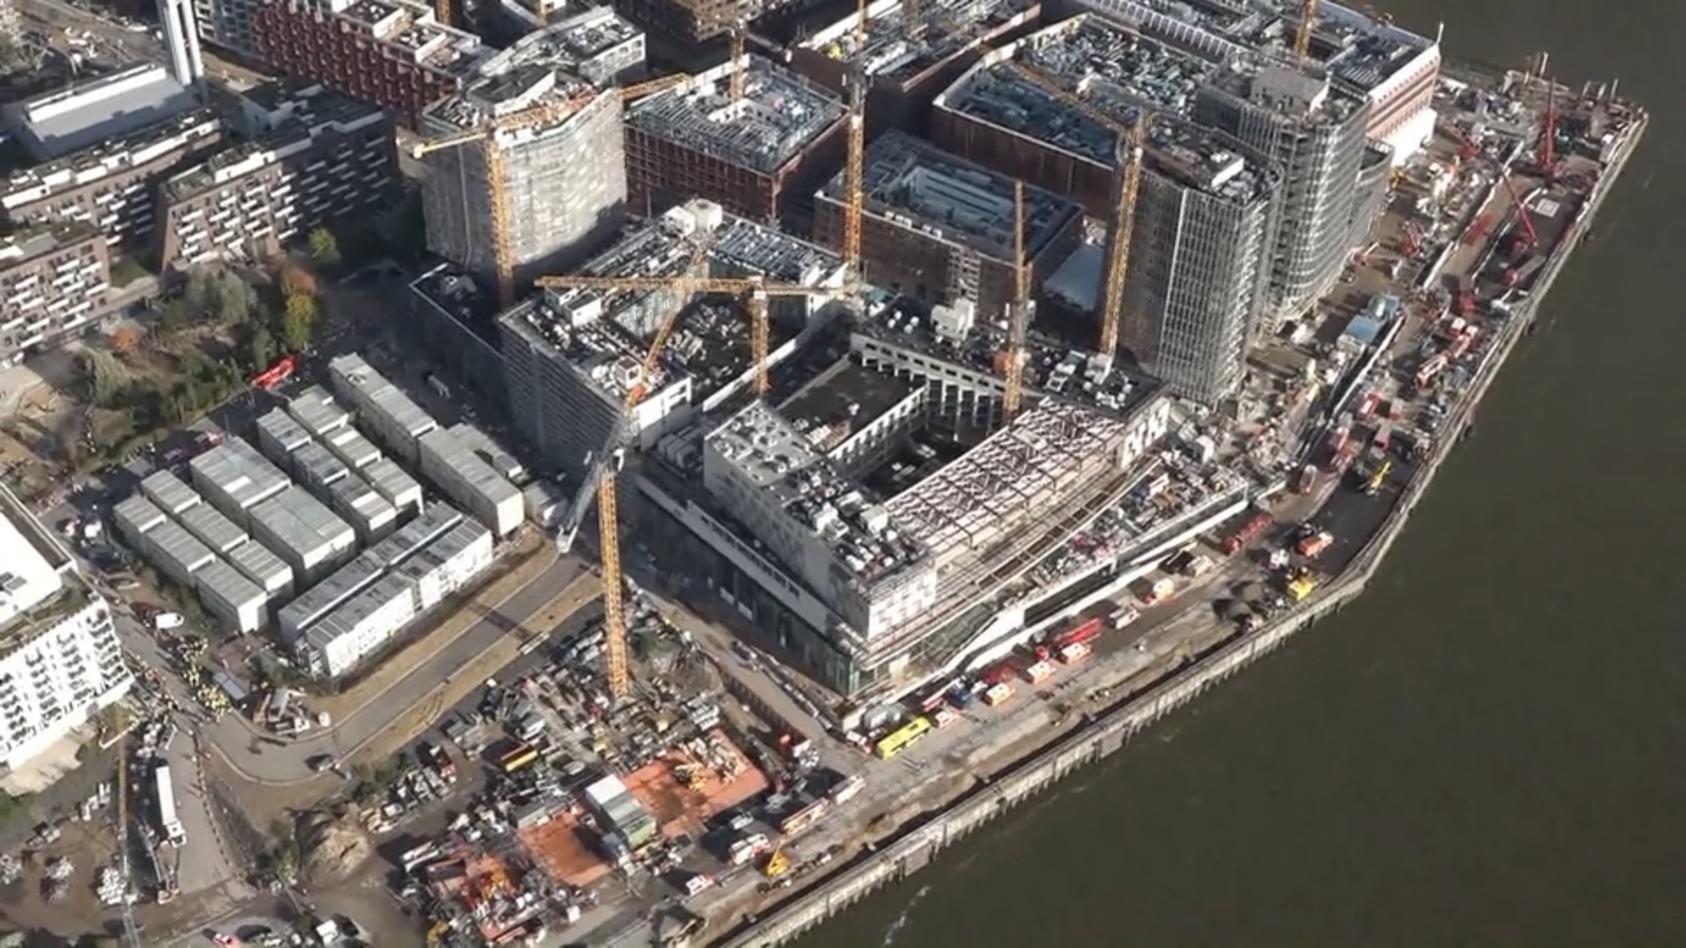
x=1038, y=672
x=1072, y=654
x=998, y=694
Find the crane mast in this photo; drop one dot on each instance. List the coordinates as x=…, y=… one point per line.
x=1123, y=227
x=854, y=171
x=1020, y=316
x=1302, y=36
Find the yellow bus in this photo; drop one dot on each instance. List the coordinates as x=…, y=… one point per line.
x=518, y=758
x=898, y=740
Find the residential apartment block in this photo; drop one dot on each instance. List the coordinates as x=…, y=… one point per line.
x=53, y=281
x=393, y=53
x=318, y=156
x=60, y=661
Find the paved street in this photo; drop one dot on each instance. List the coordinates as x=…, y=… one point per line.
x=266, y=759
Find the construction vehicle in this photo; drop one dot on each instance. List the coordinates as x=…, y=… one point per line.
x=777, y=864
x=1302, y=586
x=1020, y=317
x=1132, y=140
x=1378, y=478
x=503, y=251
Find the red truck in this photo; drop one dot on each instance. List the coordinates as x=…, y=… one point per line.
x=275, y=374
x=1248, y=532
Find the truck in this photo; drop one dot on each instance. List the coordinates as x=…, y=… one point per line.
x=1312, y=545
x=1249, y=531
x=1081, y=632
x=745, y=850
x=846, y=790
x=1120, y=617
x=1302, y=586
x=168, y=820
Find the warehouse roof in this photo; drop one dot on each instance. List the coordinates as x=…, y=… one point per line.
x=229, y=585
x=300, y=521
x=388, y=398
x=211, y=527
x=258, y=564
x=316, y=410
x=237, y=469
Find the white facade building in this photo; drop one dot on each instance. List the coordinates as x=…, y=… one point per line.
x=60, y=661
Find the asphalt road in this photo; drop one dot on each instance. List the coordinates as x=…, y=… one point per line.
x=266, y=759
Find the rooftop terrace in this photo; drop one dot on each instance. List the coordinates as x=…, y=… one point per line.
x=112, y=156
x=779, y=115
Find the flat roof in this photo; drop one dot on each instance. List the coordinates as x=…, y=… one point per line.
x=100, y=109
x=229, y=585
x=780, y=114
x=211, y=527
x=258, y=564
x=108, y=156
x=841, y=401
x=399, y=409
x=302, y=522
x=237, y=469
x=777, y=458
x=316, y=410
x=944, y=29
x=1051, y=367
x=168, y=491
x=27, y=578
x=605, y=333
x=1119, y=73
x=915, y=183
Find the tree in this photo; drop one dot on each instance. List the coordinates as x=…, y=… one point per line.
x=296, y=280
x=201, y=293
x=298, y=322
x=324, y=247
x=260, y=348
x=232, y=298
x=125, y=339
x=173, y=317
x=106, y=377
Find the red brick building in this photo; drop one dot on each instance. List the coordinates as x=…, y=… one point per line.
x=392, y=53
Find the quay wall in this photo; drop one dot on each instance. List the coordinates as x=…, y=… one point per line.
x=1106, y=732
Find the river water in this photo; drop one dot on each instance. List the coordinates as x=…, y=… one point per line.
x=1489, y=748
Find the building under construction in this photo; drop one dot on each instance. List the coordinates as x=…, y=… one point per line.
x=1395, y=70
x=571, y=355
x=910, y=52
x=1284, y=116
x=561, y=187
x=940, y=229
x=1205, y=213
x=759, y=156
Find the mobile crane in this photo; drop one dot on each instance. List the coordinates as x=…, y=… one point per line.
x=486, y=135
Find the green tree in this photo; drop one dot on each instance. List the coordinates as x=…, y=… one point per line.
x=106, y=377
x=324, y=247
x=174, y=317
x=298, y=322
x=200, y=293
x=232, y=298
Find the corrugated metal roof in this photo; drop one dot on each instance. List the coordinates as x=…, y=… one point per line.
x=257, y=563
x=316, y=410
x=227, y=584
x=393, y=482
x=137, y=514
x=301, y=522
x=238, y=470
x=285, y=432
x=170, y=542
x=168, y=492
x=377, y=394
x=212, y=528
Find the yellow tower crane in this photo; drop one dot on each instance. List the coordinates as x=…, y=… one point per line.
x=1302, y=36
x=854, y=171
x=1134, y=138
x=755, y=293
x=1018, y=324
x=492, y=156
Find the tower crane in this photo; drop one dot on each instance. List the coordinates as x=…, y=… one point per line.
x=1133, y=140
x=755, y=293
x=1020, y=317
x=854, y=170
x=503, y=251
x=1302, y=36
